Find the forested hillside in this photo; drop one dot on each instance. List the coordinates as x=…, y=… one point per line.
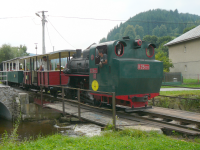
x=153, y=22
x=155, y=26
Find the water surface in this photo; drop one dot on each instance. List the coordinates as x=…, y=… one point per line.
x=28, y=129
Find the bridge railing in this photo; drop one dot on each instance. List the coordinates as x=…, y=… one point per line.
x=4, y=77
x=79, y=100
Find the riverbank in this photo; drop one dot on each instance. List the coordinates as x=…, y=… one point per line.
x=126, y=139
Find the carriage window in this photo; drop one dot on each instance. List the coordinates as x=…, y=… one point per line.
x=119, y=49
x=101, y=54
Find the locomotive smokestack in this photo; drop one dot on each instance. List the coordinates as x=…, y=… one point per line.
x=78, y=53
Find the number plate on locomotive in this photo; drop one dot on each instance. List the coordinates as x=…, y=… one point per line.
x=143, y=67
x=93, y=70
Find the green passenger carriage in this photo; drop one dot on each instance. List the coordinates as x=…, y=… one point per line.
x=12, y=71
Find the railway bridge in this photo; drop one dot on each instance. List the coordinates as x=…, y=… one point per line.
x=9, y=108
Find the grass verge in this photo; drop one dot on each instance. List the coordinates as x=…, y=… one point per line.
x=183, y=85
x=189, y=81
x=126, y=139
x=167, y=86
x=192, y=93
x=190, y=85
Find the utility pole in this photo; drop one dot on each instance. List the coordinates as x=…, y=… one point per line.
x=43, y=30
x=36, y=48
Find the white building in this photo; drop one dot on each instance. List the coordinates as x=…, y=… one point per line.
x=184, y=51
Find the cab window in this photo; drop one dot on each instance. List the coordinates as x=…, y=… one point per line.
x=101, y=54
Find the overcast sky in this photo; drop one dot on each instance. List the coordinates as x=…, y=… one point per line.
x=77, y=33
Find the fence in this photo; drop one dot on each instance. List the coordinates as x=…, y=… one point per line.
x=191, y=78
x=79, y=100
x=4, y=77
x=172, y=78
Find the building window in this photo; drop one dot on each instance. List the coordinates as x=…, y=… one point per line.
x=185, y=67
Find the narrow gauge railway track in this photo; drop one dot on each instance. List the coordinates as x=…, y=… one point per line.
x=152, y=122
x=165, y=126
x=184, y=129
x=183, y=117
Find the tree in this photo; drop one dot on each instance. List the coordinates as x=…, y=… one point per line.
x=161, y=42
x=6, y=53
x=103, y=40
x=156, y=31
x=163, y=30
x=163, y=48
x=150, y=38
x=130, y=31
x=188, y=29
x=15, y=51
x=167, y=63
x=139, y=31
x=117, y=36
x=137, y=37
x=164, y=39
x=22, y=51
x=150, y=28
x=122, y=31
x=175, y=31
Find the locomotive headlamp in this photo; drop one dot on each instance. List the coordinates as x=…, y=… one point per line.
x=137, y=44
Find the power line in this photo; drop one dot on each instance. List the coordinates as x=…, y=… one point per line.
x=97, y=19
x=34, y=22
x=16, y=17
x=86, y=18
x=48, y=35
x=60, y=34
x=144, y=21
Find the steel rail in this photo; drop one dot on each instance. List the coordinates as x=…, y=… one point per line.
x=148, y=121
x=142, y=119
